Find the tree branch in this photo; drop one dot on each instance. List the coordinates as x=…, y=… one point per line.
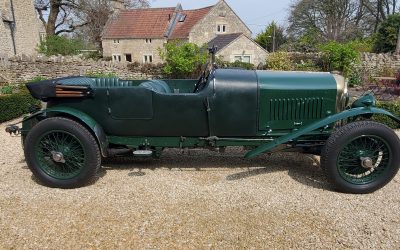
x=72, y=28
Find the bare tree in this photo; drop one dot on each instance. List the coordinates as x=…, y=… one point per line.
x=96, y=13
x=339, y=19
x=66, y=16
x=381, y=9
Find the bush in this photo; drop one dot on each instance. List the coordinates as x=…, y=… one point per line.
x=279, y=61
x=356, y=78
x=37, y=79
x=307, y=65
x=15, y=105
x=394, y=108
x=238, y=65
x=59, y=45
x=6, y=90
x=95, y=55
x=183, y=60
x=339, y=57
x=386, y=38
x=362, y=45
x=100, y=74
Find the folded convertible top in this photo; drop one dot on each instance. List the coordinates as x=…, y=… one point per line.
x=67, y=87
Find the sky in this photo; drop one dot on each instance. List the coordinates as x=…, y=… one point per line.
x=255, y=13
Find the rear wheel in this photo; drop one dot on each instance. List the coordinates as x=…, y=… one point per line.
x=62, y=153
x=361, y=157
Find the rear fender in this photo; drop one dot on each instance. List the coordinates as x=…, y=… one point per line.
x=322, y=123
x=79, y=116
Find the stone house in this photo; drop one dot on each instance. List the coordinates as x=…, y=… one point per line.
x=20, y=28
x=238, y=47
x=137, y=35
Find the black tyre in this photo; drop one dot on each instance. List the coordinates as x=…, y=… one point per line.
x=61, y=153
x=361, y=157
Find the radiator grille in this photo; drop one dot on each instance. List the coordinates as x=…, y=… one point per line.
x=295, y=109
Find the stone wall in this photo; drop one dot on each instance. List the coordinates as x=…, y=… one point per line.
x=22, y=69
x=205, y=30
x=376, y=62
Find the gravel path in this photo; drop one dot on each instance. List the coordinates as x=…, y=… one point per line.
x=194, y=201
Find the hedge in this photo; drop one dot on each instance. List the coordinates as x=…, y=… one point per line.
x=394, y=108
x=15, y=105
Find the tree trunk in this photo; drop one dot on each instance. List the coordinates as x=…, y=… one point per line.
x=53, y=15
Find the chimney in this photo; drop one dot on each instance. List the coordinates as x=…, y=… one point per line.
x=118, y=5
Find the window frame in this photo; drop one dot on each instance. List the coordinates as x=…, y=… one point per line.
x=241, y=58
x=148, y=58
x=221, y=28
x=117, y=57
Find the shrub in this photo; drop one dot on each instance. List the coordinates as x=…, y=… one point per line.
x=59, y=45
x=183, y=60
x=240, y=65
x=279, y=61
x=307, y=65
x=394, y=108
x=37, y=79
x=362, y=45
x=100, y=74
x=386, y=38
x=95, y=55
x=356, y=77
x=6, y=90
x=15, y=105
x=339, y=57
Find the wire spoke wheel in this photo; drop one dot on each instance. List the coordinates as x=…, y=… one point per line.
x=361, y=157
x=60, y=154
x=364, y=159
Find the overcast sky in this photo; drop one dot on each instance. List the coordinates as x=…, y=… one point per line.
x=255, y=13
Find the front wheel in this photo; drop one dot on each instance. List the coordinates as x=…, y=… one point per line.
x=61, y=153
x=361, y=157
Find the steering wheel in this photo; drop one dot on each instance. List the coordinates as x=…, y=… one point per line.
x=202, y=80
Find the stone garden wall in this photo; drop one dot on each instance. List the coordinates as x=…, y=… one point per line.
x=377, y=62
x=22, y=69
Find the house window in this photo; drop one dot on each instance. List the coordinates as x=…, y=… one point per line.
x=116, y=41
x=243, y=58
x=221, y=28
x=42, y=36
x=148, y=58
x=116, y=58
x=148, y=40
x=128, y=57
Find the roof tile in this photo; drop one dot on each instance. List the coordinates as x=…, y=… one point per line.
x=151, y=23
x=139, y=23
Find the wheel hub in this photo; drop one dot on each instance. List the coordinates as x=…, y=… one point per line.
x=58, y=157
x=366, y=162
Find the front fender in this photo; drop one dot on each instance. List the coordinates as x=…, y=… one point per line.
x=322, y=123
x=80, y=116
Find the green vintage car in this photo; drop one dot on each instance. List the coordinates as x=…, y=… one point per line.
x=87, y=120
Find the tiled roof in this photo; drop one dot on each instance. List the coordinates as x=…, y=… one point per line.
x=182, y=29
x=223, y=40
x=151, y=23
x=139, y=23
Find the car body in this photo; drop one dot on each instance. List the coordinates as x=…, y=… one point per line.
x=265, y=111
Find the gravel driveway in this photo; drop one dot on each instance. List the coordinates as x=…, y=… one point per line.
x=201, y=200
